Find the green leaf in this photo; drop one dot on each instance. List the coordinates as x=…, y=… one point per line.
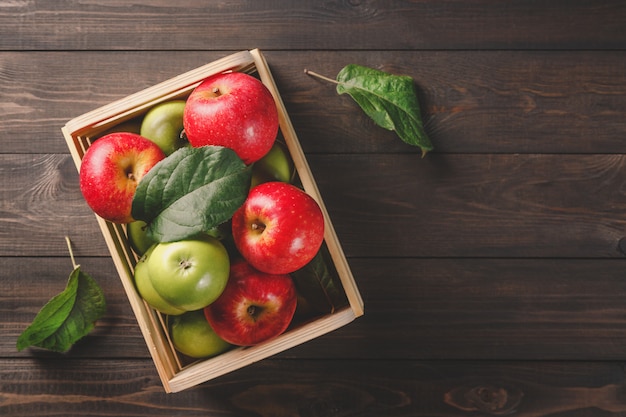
x=389, y=100
x=67, y=317
x=319, y=284
x=191, y=191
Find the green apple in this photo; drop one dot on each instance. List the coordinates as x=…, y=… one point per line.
x=147, y=291
x=276, y=165
x=140, y=241
x=163, y=125
x=189, y=274
x=192, y=335
x=138, y=238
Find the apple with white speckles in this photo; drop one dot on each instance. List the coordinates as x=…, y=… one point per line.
x=279, y=228
x=111, y=170
x=234, y=110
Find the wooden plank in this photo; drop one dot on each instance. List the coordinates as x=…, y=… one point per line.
x=306, y=25
x=42, y=203
x=416, y=309
x=488, y=309
x=445, y=205
x=472, y=101
x=274, y=388
x=476, y=205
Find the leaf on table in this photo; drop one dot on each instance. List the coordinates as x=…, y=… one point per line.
x=191, y=191
x=319, y=285
x=67, y=317
x=389, y=100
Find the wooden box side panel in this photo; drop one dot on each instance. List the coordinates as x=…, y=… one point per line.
x=114, y=113
x=232, y=360
x=310, y=186
x=149, y=321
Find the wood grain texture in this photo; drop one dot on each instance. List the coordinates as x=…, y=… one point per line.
x=328, y=388
x=495, y=205
x=472, y=101
x=492, y=270
x=331, y=25
x=417, y=309
x=448, y=205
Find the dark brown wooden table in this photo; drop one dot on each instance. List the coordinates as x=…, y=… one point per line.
x=493, y=270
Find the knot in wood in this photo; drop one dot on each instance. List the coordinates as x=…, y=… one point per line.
x=493, y=400
x=489, y=399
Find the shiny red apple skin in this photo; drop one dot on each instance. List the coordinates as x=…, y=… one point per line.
x=110, y=171
x=279, y=228
x=254, y=307
x=234, y=110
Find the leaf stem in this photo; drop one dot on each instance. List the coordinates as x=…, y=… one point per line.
x=69, y=248
x=315, y=74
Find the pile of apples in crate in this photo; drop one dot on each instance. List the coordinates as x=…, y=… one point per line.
x=231, y=284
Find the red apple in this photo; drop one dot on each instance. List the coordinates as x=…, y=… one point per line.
x=234, y=110
x=110, y=171
x=254, y=307
x=279, y=228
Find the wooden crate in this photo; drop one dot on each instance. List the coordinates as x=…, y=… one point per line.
x=177, y=372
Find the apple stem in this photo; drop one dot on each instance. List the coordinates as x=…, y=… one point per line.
x=69, y=248
x=258, y=226
x=185, y=264
x=252, y=311
x=315, y=74
x=129, y=173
